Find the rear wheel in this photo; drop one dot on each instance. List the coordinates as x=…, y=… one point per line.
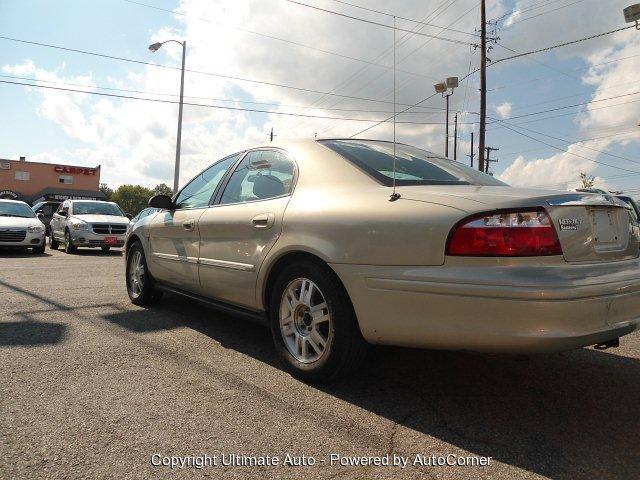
x=313, y=324
x=140, y=283
x=69, y=247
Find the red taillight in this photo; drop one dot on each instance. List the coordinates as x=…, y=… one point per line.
x=513, y=234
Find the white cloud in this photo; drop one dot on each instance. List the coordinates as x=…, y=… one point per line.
x=135, y=140
x=504, y=109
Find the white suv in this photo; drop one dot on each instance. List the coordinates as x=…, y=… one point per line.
x=88, y=223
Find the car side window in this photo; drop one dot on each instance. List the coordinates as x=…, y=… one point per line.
x=261, y=175
x=199, y=191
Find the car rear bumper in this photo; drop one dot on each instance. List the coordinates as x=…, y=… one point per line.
x=509, y=307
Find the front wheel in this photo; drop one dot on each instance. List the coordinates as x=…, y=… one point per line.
x=53, y=243
x=69, y=247
x=105, y=249
x=140, y=284
x=39, y=250
x=313, y=324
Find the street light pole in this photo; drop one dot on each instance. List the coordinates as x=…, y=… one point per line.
x=176, y=173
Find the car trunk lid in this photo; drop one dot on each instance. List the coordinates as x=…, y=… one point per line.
x=594, y=227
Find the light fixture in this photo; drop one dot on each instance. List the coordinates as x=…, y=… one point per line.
x=632, y=14
x=452, y=82
x=154, y=47
x=440, y=87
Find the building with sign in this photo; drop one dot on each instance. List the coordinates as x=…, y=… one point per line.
x=35, y=182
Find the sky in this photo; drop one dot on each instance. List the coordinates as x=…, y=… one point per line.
x=552, y=115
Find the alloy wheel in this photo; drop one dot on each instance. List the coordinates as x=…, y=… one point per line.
x=305, y=321
x=136, y=273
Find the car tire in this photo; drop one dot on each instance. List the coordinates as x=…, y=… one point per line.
x=53, y=243
x=38, y=250
x=141, y=285
x=308, y=289
x=105, y=249
x=69, y=247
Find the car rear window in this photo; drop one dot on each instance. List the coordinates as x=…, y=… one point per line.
x=413, y=165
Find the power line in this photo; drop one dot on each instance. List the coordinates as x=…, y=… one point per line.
x=232, y=100
x=221, y=107
x=546, y=12
x=170, y=67
x=405, y=37
x=459, y=42
x=565, y=44
x=273, y=37
x=373, y=10
x=420, y=47
x=516, y=84
x=568, y=152
x=573, y=106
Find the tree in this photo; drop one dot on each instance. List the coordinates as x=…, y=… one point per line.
x=104, y=188
x=132, y=198
x=163, y=189
x=588, y=181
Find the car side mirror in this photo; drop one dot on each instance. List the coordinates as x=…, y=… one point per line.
x=63, y=213
x=40, y=216
x=128, y=215
x=161, y=201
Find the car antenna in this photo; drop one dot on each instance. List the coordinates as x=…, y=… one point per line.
x=394, y=196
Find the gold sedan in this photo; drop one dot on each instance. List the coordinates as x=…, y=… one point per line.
x=341, y=243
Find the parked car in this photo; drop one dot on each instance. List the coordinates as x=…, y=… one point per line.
x=20, y=227
x=143, y=214
x=88, y=223
x=47, y=209
x=312, y=237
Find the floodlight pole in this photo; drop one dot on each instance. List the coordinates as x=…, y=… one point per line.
x=446, y=145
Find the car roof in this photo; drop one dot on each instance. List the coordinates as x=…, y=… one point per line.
x=6, y=200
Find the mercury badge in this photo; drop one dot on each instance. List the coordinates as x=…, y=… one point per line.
x=569, y=223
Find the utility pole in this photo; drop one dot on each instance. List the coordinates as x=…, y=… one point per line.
x=471, y=155
x=483, y=84
x=455, y=138
x=271, y=135
x=488, y=159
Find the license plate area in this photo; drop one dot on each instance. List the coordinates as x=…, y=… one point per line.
x=605, y=228
x=111, y=240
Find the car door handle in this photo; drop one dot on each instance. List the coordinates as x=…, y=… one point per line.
x=264, y=220
x=189, y=224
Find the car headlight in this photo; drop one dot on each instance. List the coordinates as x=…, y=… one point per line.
x=80, y=226
x=35, y=229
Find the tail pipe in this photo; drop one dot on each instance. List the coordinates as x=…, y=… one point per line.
x=610, y=344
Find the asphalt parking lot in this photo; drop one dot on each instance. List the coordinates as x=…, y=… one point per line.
x=92, y=386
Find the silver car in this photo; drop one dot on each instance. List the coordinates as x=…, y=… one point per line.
x=318, y=239
x=20, y=228
x=88, y=223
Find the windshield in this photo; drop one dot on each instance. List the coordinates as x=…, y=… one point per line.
x=97, y=208
x=10, y=209
x=413, y=165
